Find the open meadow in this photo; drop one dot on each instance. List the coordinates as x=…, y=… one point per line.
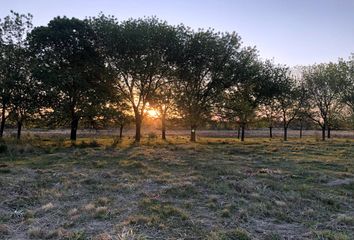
x=217, y=188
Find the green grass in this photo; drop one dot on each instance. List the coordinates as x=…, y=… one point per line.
x=213, y=189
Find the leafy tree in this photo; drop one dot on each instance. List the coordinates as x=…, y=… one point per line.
x=164, y=103
x=239, y=106
x=253, y=85
x=348, y=93
x=26, y=92
x=288, y=99
x=304, y=108
x=138, y=52
x=324, y=83
x=203, y=71
x=270, y=112
x=13, y=31
x=113, y=114
x=121, y=118
x=71, y=67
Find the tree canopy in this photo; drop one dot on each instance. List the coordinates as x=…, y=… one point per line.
x=69, y=63
x=103, y=72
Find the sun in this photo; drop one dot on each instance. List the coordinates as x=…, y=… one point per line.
x=152, y=113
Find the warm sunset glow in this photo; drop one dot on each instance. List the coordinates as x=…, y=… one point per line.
x=152, y=113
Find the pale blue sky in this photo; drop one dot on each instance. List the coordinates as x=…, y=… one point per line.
x=292, y=32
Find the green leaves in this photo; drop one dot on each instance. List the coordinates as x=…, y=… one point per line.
x=204, y=64
x=69, y=64
x=14, y=28
x=348, y=91
x=17, y=90
x=325, y=84
x=139, y=56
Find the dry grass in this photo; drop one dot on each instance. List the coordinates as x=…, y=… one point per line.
x=214, y=189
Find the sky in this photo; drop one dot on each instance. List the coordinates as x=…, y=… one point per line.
x=291, y=32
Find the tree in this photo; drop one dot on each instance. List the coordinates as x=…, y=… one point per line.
x=25, y=101
x=269, y=111
x=239, y=106
x=288, y=99
x=324, y=83
x=252, y=85
x=348, y=93
x=13, y=31
x=113, y=114
x=203, y=68
x=163, y=102
x=71, y=67
x=304, y=107
x=138, y=52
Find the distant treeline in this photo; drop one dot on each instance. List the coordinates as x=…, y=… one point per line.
x=106, y=72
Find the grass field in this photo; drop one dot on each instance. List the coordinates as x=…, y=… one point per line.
x=214, y=189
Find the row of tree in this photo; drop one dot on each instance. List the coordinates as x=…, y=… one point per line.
x=101, y=70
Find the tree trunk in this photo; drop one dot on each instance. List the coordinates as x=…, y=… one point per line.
x=328, y=132
x=137, y=128
x=121, y=131
x=193, y=129
x=301, y=129
x=323, y=132
x=3, y=119
x=74, y=126
x=19, y=128
x=242, y=132
x=163, y=126
x=238, y=132
x=285, y=133
x=270, y=132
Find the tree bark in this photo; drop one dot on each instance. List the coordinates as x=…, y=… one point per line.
x=238, y=132
x=193, y=130
x=242, y=132
x=323, y=132
x=328, y=132
x=3, y=119
x=285, y=133
x=137, y=129
x=19, y=128
x=163, y=126
x=121, y=131
x=270, y=132
x=74, y=126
